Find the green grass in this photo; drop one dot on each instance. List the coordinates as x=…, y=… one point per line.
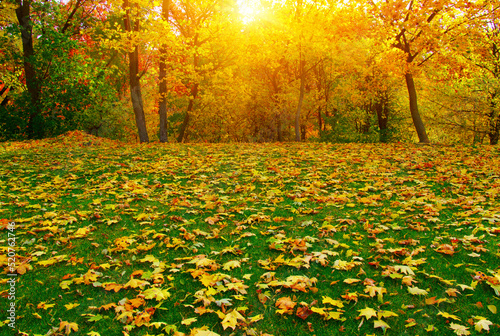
x=320, y=213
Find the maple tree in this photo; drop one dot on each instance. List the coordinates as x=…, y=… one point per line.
x=53, y=83
x=420, y=29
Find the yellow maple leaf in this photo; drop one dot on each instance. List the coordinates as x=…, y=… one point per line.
x=134, y=283
x=336, y=303
x=45, y=306
x=156, y=293
x=335, y=315
x=385, y=314
x=482, y=324
x=82, y=232
x=231, y=319
x=417, y=291
x=367, y=313
x=230, y=265
x=189, y=321
x=446, y=315
x=380, y=324
x=67, y=327
x=201, y=332
x=459, y=329
x=351, y=281
x=71, y=305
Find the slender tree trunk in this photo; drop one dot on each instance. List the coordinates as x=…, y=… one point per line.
x=381, y=107
x=415, y=115
x=320, y=122
x=279, y=127
x=185, y=123
x=163, y=80
x=494, y=122
x=301, y=99
x=35, y=127
x=134, y=81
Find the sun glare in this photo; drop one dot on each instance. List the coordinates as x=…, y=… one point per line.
x=249, y=10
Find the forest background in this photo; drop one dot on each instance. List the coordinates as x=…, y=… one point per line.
x=251, y=71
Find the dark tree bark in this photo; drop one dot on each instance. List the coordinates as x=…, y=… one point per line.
x=494, y=122
x=415, y=115
x=279, y=127
x=381, y=107
x=162, y=111
x=134, y=80
x=35, y=127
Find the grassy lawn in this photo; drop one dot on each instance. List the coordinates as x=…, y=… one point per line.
x=247, y=239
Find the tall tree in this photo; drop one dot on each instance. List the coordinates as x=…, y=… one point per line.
x=133, y=26
x=23, y=13
x=420, y=29
x=162, y=110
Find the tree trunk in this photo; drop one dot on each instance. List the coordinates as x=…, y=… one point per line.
x=301, y=100
x=136, y=95
x=381, y=107
x=134, y=81
x=494, y=122
x=162, y=111
x=35, y=127
x=415, y=115
x=320, y=122
x=279, y=127
x=185, y=123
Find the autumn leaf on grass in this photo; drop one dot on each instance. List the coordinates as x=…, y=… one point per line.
x=404, y=269
x=374, y=290
x=459, y=329
x=111, y=286
x=417, y=291
x=202, y=332
x=351, y=281
x=189, y=321
x=492, y=308
x=446, y=249
x=82, y=232
x=44, y=305
x=67, y=327
x=156, y=293
x=380, y=324
x=71, y=305
x=462, y=286
x=134, y=283
x=386, y=314
x=452, y=291
x=446, y=315
x=482, y=324
x=93, y=333
x=336, y=303
x=142, y=318
x=433, y=300
x=231, y=319
x=285, y=305
x=304, y=312
x=367, y=313
x=231, y=264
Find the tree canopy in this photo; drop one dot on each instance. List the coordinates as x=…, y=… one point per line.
x=251, y=71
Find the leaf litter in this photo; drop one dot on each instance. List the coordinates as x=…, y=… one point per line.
x=116, y=239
